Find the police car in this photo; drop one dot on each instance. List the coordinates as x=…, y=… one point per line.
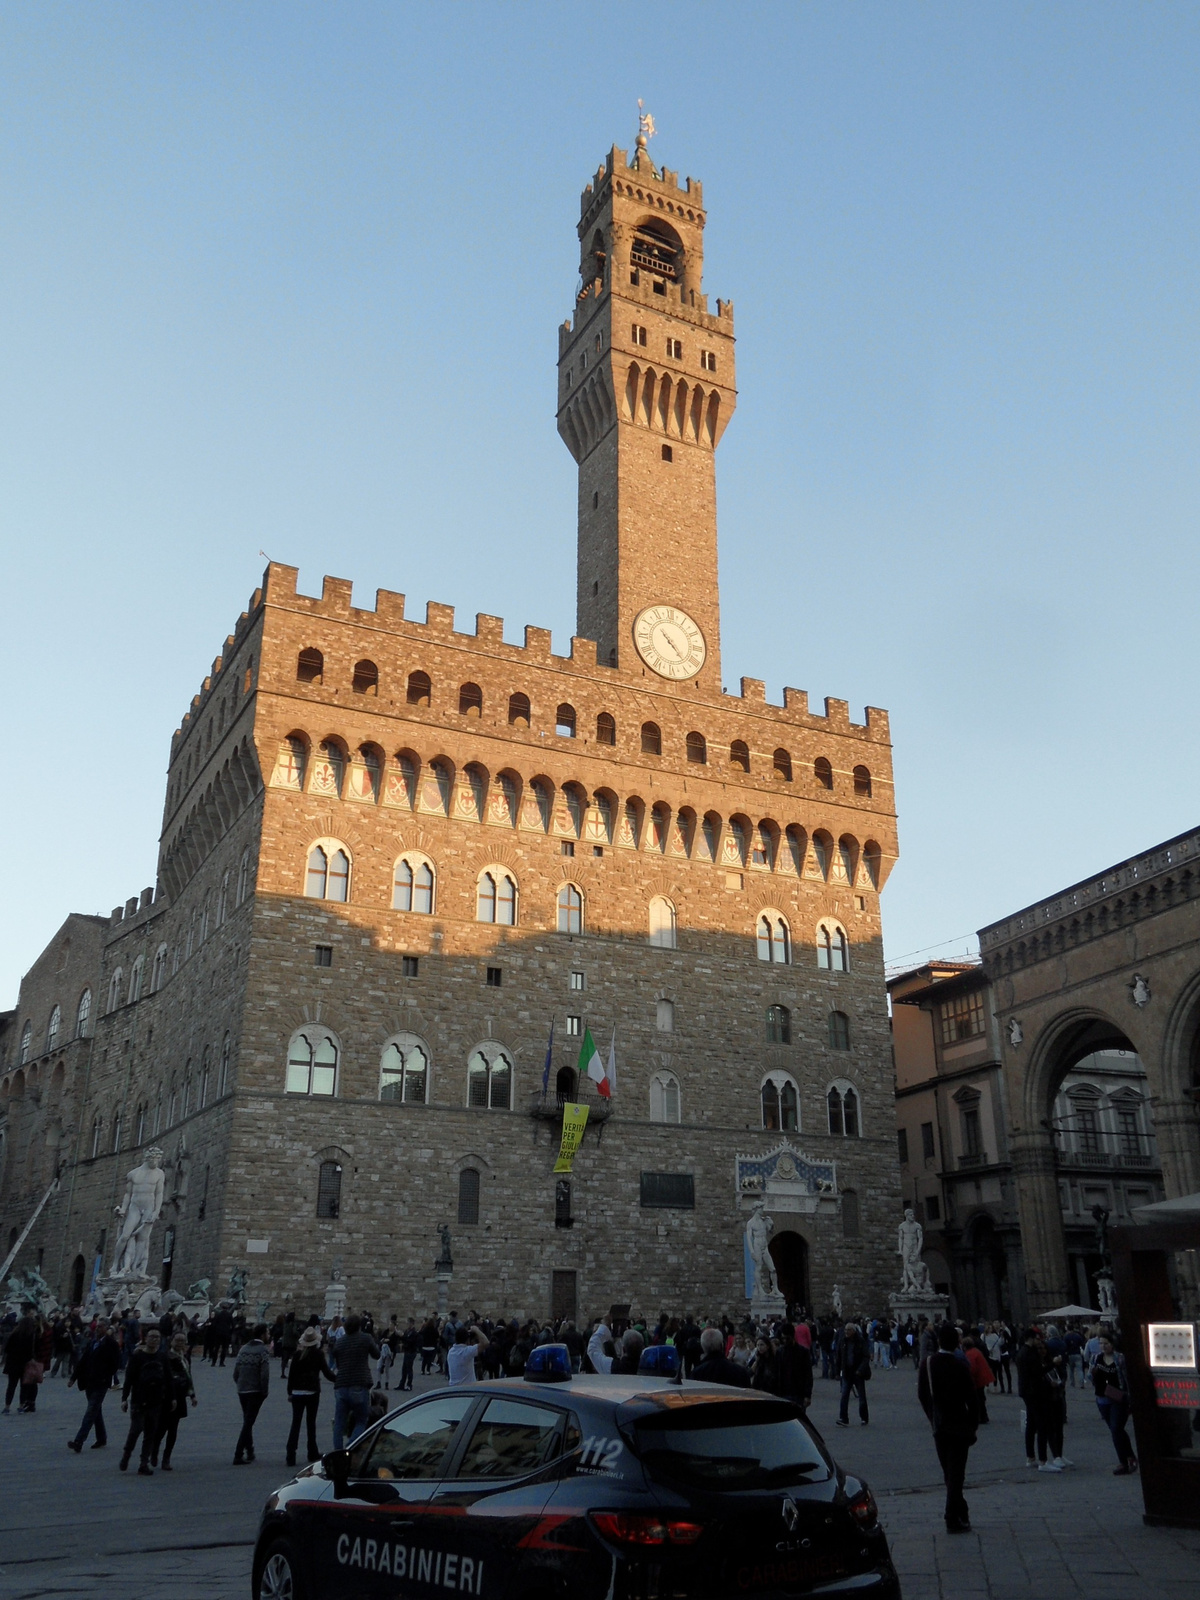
x=592, y=1488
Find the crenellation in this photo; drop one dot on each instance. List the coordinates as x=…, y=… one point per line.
x=439, y=619
x=754, y=690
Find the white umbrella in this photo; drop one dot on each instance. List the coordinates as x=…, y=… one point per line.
x=1061, y=1313
x=1185, y=1207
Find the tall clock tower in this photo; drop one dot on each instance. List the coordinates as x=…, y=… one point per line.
x=645, y=389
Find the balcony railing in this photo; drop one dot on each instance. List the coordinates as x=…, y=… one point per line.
x=1105, y=1153
x=549, y=1107
x=978, y=1159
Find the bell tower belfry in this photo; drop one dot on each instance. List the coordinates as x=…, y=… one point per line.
x=645, y=390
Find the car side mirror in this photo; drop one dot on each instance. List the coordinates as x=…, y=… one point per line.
x=337, y=1465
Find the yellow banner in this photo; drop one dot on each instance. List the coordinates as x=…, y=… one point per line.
x=574, y=1122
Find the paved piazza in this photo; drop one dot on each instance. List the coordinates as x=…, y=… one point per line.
x=75, y=1525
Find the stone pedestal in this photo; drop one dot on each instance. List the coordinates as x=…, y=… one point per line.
x=122, y=1292
x=765, y=1306
x=335, y=1300
x=932, y=1307
x=443, y=1292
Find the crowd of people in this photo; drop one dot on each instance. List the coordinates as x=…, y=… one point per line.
x=150, y=1363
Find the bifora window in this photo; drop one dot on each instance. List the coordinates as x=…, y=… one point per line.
x=570, y=909
x=468, y=1196
x=489, y=1078
x=404, y=1071
x=833, y=948
x=664, y=1098
x=329, y=1189
x=780, y=1103
x=328, y=876
x=412, y=885
x=839, y=1030
x=779, y=1025
x=961, y=1017
x=312, y=1063
x=843, y=1111
x=496, y=898
x=774, y=942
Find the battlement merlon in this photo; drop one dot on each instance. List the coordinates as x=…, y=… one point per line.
x=618, y=160
x=335, y=604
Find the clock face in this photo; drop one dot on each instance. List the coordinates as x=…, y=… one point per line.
x=669, y=642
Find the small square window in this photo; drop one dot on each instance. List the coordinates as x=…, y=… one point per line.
x=675, y=349
x=322, y=955
x=495, y=977
x=639, y=333
x=597, y=849
x=568, y=847
x=577, y=980
x=667, y=453
x=408, y=966
x=574, y=1027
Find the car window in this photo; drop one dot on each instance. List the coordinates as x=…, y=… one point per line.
x=733, y=1446
x=414, y=1444
x=510, y=1439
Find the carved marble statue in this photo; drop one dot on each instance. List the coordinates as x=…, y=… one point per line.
x=837, y=1301
x=445, y=1259
x=914, y=1274
x=759, y=1228
x=138, y=1211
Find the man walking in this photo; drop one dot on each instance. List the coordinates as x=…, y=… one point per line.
x=252, y=1375
x=947, y=1395
x=352, y=1356
x=143, y=1396
x=714, y=1367
x=19, y=1351
x=410, y=1340
x=94, y=1373
x=852, y=1356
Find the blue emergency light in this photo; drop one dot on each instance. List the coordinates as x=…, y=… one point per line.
x=659, y=1361
x=548, y=1363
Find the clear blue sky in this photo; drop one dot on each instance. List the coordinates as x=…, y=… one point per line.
x=288, y=278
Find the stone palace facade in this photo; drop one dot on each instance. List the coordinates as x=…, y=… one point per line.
x=394, y=853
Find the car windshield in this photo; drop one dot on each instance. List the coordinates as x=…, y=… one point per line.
x=731, y=1446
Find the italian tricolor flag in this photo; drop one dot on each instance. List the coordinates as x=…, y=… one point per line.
x=591, y=1064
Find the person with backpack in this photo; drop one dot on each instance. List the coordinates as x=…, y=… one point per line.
x=144, y=1395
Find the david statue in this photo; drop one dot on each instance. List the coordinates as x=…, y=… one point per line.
x=139, y=1211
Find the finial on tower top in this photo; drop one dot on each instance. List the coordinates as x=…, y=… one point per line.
x=646, y=128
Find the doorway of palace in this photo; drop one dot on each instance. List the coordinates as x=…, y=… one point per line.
x=789, y=1253
x=989, y=1272
x=77, y=1272
x=563, y=1301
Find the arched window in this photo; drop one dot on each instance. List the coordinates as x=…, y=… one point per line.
x=739, y=755
x=412, y=885
x=774, y=938
x=651, y=739
x=26, y=1043
x=570, y=909
x=606, y=729
x=470, y=700
x=697, y=749
x=290, y=763
x=366, y=678
x=419, y=689
x=140, y=1125
x=404, y=1071
x=135, y=979
x=83, y=1014
x=328, y=875
x=225, y=1065
x=565, y=1085
x=243, y=883
x=158, y=973
x=779, y=1025
x=842, y=1101
x=312, y=1062
x=839, y=1030
x=849, y=1214
x=662, y=923
x=564, y=721
x=204, y=1077
x=664, y=1016
x=490, y=1078
x=114, y=989
x=52, y=1028
x=833, y=948
x=862, y=782
x=468, y=1196
x=823, y=772
x=664, y=1098
x=782, y=762
x=329, y=1190
x=496, y=898
x=518, y=710
x=310, y=666
x=780, y=1103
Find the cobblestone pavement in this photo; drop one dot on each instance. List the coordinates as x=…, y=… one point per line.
x=73, y=1525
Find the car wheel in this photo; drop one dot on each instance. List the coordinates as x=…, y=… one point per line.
x=280, y=1577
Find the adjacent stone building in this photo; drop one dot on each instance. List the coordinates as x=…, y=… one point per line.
x=394, y=854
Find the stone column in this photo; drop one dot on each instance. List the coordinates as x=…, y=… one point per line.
x=1035, y=1179
x=1177, y=1134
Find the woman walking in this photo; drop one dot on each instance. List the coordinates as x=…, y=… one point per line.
x=1111, y=1383
x=304, y=1391
x=180, y=1391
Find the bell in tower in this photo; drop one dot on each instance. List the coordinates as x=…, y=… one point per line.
x=646, y=387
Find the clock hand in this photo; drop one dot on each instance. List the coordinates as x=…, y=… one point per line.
x=673, y=645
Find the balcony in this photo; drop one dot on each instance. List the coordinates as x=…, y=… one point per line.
x=1106, y=1153
x=549, y=1107
x=979, y=1158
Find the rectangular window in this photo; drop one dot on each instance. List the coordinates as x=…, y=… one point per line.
x=902, y=1141
x=323, y=955
x=933, y=1209
x=675, y=349
x=972, y=1139
x=708, y=360
x=962, y=1017
x=597, y=849
x=1127, y=1129
x=562, y=1204
x=927, y=1150
x=495, y=976
x=574, y=1027
x=577, y=980
x=567, y=847
x=1089, y=1133
x=409, y=966
x=639, y=333
x=675, y=1191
